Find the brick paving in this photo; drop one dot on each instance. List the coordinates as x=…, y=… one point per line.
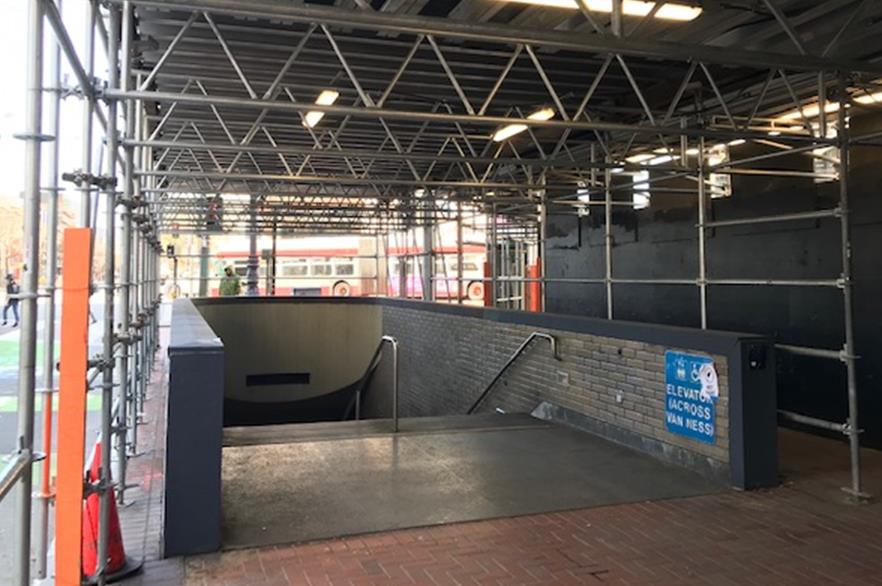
x=800, y=533
x=783, y=536
x=141, y=520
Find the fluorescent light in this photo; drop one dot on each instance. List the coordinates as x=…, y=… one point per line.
x=736, y=142
x=326, y=98
x=509, y=131
x=774, y=133
x=641, y=158
x=811, y=111
x=668, y=11
x=869, y=98
x=692, y=152
x=663, y=159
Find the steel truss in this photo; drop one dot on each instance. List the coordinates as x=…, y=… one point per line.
x=205, y=103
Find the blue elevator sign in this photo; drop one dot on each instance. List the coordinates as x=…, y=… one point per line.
x=691, y=393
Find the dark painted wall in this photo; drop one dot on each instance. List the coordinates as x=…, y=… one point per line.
x=661, y=242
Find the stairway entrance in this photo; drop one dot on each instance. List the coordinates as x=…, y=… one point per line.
x=295, y=483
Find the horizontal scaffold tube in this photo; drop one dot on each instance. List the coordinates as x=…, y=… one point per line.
x=448, y=118
x=484, y=32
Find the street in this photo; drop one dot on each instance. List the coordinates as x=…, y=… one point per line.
x=9, y=360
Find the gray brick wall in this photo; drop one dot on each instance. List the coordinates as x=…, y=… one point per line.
x=446, y=360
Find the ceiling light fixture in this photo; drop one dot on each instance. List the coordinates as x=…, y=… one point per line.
x=326, y=98
x=811, y=111
x=510, y=130
x=667, y=11
x=662, y=159
x=641, y=158
x=869, y=98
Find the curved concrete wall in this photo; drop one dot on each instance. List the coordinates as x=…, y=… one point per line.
x=284, y=352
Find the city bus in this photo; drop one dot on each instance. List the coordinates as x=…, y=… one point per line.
x=345, y=266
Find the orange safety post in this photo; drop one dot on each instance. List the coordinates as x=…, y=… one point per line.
x=488, y=285
x=72, y=406
x=533, y=288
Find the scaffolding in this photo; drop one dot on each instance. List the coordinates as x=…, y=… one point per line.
x=208, y=117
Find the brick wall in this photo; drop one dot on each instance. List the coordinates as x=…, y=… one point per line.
x=446, y=361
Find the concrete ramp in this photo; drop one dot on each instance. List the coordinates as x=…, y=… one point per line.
x=333, y=479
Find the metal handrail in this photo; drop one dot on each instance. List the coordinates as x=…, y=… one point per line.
x=12, y=472
x=371, y=366
x=511, y=360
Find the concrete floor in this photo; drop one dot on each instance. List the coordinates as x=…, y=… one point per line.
x=318, y=487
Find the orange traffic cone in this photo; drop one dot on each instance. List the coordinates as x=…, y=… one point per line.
x=118, y=565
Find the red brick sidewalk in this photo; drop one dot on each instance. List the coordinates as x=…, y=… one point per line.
x=783, y=536
x=802, y=533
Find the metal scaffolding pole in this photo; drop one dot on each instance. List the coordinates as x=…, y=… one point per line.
x=459, y=290
x=252, y=284
x=88, y=112
x=428, y=258
x=28, y=344
x=494, y=258
x=125, y=261
x=541, y=249
x=702, y=235
x=607, y=240
x=51, y=189
x=203, y=267
x=105, y=488
x=849, y=354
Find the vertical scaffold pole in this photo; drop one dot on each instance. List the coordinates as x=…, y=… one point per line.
x=28, y=340
x=702, y=235
x=607, y=238
x=494, y=258
x=252, y=285
x=105, y=493
x=87, y=127
x=460, y=290
x=848, y=353
x=125, y=259
x=47, y=389
x=428, y=257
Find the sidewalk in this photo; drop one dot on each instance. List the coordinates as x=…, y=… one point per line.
x=803, y=532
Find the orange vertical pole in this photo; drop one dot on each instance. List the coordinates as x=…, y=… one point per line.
x=488, y=285
x=72, y=406
x=534, y=288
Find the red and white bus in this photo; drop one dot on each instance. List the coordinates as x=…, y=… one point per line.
x=347, y=266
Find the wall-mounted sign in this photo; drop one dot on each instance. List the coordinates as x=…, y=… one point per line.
x=691, y=393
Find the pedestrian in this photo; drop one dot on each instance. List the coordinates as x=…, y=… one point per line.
x=230, y=285
x=12, y=291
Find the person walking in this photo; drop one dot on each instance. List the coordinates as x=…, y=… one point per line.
x=230, y=285
x=12, y=291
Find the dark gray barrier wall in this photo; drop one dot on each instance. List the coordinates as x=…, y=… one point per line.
x=192, y=520
x=611, y=379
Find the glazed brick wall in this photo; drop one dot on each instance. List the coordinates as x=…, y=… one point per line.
x=447, y=360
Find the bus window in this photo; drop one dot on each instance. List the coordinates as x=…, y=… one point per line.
x=296, y=268
x=321, y=267
x=344, y=267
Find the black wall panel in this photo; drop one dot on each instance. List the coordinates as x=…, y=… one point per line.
x=661, y=242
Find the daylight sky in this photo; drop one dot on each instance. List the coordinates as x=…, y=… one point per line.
x=13, y=40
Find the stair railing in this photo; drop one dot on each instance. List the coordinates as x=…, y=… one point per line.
x=374, y=362
x=512, y=359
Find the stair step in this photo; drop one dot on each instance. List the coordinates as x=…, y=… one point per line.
x=336, y=430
